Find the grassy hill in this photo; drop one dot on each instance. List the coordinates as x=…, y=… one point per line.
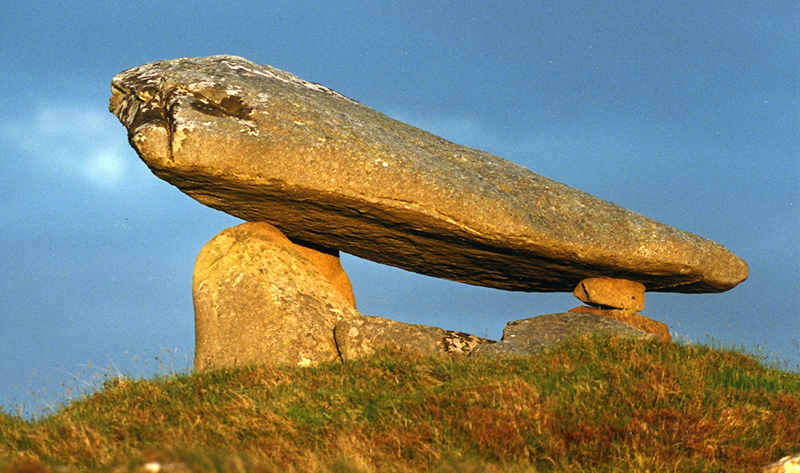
x=593, y=404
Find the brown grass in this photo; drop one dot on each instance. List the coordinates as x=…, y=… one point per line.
x=595, y=404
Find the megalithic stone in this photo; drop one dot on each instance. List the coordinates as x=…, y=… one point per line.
x=264, y=145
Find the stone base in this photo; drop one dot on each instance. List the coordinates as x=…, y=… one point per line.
x=362, y=336
x=632, y=318
x=537, y=334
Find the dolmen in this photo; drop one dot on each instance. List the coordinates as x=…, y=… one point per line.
x=313, y=173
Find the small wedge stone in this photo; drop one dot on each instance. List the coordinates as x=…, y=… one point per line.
x=610, y=292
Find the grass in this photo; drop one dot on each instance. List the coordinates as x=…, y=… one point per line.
x=591, y=405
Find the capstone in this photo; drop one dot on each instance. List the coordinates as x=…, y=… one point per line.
x=264, y=145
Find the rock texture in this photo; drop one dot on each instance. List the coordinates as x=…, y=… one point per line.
x=611, y=292
x=632, y=318
x=264, y=145
x=535, y=335
x=259, y=299
x=362, y=336
x=784, y=465
x=327, y=262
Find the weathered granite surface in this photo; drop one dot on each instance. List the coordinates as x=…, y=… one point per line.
x=611, y=292
x=362, y=336
x=631, y=318
x=264, y=145
x=537, y=334
x=790, y=464
x=259, y=299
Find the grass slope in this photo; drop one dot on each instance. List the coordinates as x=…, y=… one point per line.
x=594, y=404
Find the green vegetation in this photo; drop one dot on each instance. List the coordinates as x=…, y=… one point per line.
x=594, y=404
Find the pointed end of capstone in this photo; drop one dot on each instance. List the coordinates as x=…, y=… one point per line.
x=728, y=272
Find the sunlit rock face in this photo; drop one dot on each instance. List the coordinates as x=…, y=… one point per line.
x=261, y=299
x=264, y=145
x=611, y=293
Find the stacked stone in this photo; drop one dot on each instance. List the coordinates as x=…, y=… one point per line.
x=263, y=299
x=317, y=173
x=618, y=299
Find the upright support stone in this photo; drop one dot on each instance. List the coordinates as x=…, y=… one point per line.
x=328, y=263
x=261, y=299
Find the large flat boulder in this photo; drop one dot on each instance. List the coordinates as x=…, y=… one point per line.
x=264, y=145
x=538, y=334
x=358, y=337
x=631, y=318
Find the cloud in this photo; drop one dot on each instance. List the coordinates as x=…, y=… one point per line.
x=105, y=167
x=80, y=142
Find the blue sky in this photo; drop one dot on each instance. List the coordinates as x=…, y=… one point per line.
x=685, y=111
